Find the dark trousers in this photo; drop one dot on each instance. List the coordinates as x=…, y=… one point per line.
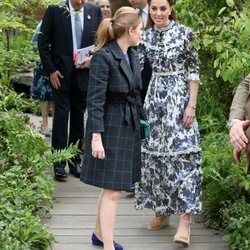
x=70, y=105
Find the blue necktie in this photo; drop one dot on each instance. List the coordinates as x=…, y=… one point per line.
x=78, y=30
x=140, y=12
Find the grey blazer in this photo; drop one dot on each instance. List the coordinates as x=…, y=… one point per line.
x=240, y=108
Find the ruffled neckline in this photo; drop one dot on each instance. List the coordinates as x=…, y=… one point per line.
x=169, y=26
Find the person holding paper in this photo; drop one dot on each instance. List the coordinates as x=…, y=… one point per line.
x=65, y=29
x=112, y=155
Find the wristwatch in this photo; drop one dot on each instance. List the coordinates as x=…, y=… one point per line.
x=231, y=122
x=193, y=106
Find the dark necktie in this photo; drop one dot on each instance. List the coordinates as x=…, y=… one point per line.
x=78, y=30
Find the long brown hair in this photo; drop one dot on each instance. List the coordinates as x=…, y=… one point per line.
x=172, y=16
x=113, y=28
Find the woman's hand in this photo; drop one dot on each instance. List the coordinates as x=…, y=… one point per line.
x=97, y=147
x=189, y=116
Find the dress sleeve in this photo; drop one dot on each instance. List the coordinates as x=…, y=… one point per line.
x=98, y=84
x=192, y=61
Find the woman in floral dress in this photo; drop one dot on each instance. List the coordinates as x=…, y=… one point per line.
x=171, y=158
x=41, y=88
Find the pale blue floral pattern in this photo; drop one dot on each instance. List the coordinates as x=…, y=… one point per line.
x=171, y=158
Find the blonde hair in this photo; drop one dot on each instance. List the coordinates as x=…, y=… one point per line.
x=113, y=28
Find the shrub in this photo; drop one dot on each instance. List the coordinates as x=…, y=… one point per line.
x=224, y=180
x=236, y=218
x=25, y=186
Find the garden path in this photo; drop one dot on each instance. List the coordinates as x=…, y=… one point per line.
x=73, y=219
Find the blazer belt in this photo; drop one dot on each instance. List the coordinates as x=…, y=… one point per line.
x=131, y=107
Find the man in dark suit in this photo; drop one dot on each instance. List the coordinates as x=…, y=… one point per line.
x=65, y=29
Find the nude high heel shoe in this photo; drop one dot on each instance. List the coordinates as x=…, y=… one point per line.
x=183, y=237
x=158, y=223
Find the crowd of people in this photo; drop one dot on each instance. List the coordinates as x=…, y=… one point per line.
x=143, y=67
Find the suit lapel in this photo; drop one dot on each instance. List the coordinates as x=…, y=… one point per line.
x=87, y=17
x=126, y=68
x=67, y=25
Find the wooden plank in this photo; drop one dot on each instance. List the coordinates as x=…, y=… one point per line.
x=83, y=231
x=144, y=218
x=138, y=239
x=149, y=246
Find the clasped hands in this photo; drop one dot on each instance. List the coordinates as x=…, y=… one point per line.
x=238, y=137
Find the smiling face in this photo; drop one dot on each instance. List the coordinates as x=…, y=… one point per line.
x=105, y=8
x=77, y=4
x=160, y=11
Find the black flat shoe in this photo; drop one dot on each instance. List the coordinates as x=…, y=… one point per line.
x=97, y=242
x=75, y=170
x=60, y=173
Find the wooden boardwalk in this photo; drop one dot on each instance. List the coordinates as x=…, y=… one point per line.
x=73, y=220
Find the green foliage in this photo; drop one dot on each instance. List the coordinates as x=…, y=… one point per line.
x=236, y=218
x=10, y=100
x=222, y=29
x=224, y=181
x=16, y=28
x=25, y=186
x=22, y=230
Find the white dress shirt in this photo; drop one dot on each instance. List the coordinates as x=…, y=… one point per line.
x=72, y=16
x=144, y=15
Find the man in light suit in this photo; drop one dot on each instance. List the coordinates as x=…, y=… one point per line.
x=239, y=119
x=65, y=29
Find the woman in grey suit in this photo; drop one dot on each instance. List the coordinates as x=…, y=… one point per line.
x=112, y=158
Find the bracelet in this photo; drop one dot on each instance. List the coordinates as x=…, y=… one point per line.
x=231, y=122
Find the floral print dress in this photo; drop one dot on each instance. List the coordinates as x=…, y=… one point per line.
x=171, y=179
x=41, y=88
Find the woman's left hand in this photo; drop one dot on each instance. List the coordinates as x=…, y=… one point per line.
x=188, y=117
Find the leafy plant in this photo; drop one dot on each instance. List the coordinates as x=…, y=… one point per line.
x=236, y=218
x=16, y=26
x=224, y=181
x=24, y=162
x=222, y=29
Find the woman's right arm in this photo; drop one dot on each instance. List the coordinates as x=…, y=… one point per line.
x=96, y=99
